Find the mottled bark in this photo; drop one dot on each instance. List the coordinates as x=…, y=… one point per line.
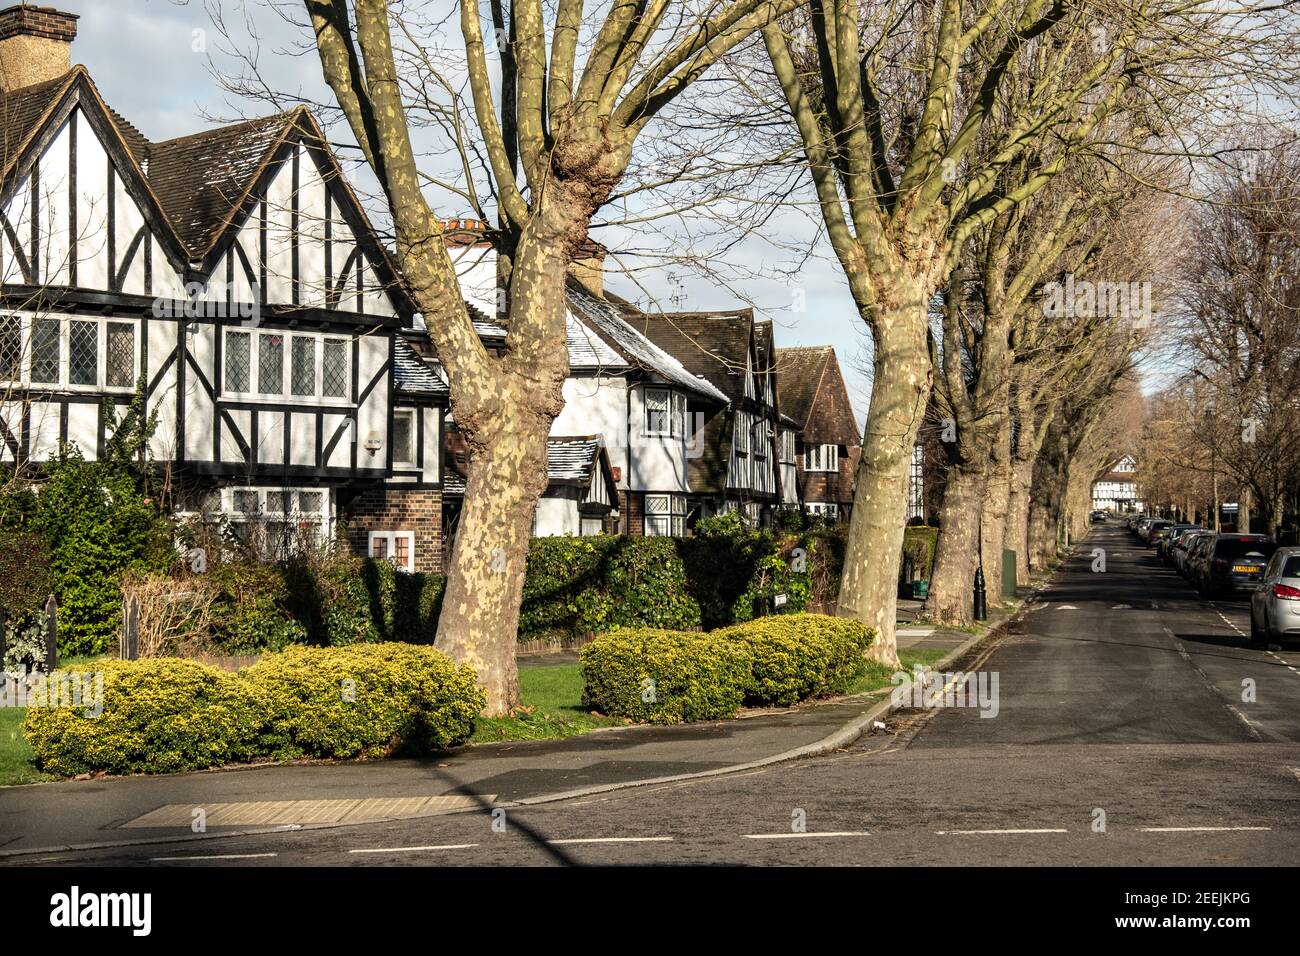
x=957, y=550
x=873, y=552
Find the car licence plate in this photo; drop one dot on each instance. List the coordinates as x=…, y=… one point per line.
x=1243, y=569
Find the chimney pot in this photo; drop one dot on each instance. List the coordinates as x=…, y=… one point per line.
x=35, y=45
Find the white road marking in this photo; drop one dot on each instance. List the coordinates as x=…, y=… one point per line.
x=415, y=849
x=612, y=840
x=213, y=856
x=797, y=836
x=1067, y=607
x=1197, y=829
x=983, y=832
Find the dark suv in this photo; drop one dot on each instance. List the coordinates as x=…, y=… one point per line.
x=1234, y=562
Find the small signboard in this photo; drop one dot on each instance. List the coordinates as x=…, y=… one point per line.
x=779, y=600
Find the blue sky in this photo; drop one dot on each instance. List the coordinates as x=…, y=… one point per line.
x=155, y=69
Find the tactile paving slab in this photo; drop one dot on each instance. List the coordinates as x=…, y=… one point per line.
x=303, y=812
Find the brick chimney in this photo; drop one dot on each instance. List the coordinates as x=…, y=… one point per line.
x=35, y=45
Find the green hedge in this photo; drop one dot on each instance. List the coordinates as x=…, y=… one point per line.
x=369, y=699
x=584, y=585
x=664, y=677
x=672, y=676
x=799, y=657
x=577, y=586
x=168, y=715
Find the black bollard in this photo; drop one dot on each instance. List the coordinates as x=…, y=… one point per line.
x=981, y=600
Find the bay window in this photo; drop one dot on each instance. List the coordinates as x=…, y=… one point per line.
x=665, y=516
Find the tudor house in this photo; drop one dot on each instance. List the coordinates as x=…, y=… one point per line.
x=681, y=405
x=234, y=275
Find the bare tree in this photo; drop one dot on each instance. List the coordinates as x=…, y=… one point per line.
x=557, y=133
x=890, y=115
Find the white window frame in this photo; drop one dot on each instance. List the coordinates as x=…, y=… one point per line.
x=24, y=380
x=824, y=509
x=742, y=434
x=667, y=523
x=413, y=446
x=667, y=398
x=821, y=458
x=285, y=394
x=391, y=538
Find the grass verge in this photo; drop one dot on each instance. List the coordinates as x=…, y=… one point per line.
x=878, y=676
x=15, y=753
x=550, y=709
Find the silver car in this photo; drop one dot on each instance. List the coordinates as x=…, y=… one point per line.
x=1275, y=604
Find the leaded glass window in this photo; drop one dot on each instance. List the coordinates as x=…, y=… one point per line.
x=119, y=355
x=334, y=374
x=83, y=352
x=238, y=368
x=46, y=351
x=303, y=378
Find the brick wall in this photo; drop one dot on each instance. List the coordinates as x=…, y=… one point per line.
x=389, y=508
x=631, y=505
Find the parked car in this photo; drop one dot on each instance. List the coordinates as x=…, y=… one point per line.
x=1275, y=603
x=1196, y=553
x=1234, y=563
x=1154, y=530
x=1183, y=545
x=1140, y=525
x=1165, y=542
x=1099, y=517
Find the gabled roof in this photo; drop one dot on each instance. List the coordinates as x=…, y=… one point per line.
x=620, y=333
x=712, y=346
x=22, y=113
x=573, y=460
x=587, y=349
x=799, y=372
x=196, y=186
x=811, y=390
x=201, y=179
x=28, y=120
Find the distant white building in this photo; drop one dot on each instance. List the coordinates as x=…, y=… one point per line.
x=1115, y=488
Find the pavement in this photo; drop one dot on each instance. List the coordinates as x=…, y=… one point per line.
x=1135, y=725
x=101, y=813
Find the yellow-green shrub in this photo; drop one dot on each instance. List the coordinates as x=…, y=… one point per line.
x=664, y=677
x=164, y=715
x=159, y=716
x=368, y=699
x=796, y=657
x=667, y=677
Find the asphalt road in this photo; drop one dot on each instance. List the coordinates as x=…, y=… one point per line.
x=1122, y=736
